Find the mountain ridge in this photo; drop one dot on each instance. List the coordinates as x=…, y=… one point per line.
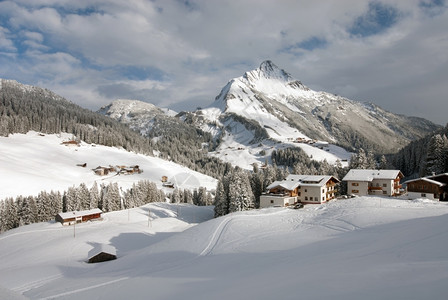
x=271, y=96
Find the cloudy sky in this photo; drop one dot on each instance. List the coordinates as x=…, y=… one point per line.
x=180, y=53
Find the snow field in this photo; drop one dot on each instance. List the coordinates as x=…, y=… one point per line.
x=360, y=248
x=32, y=163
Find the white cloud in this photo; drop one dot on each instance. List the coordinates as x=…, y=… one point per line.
x=188, y=51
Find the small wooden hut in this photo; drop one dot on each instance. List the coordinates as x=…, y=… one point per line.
x=101, y=253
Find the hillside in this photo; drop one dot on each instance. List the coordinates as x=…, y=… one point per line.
x=24, y=108
x=233, y=144
x=37, y=162
x=360, y=248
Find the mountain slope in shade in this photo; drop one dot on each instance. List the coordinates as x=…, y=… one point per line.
x=286, y=109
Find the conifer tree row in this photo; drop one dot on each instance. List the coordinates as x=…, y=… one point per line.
x=25, y=108
x=46, y=205
x=424, y=156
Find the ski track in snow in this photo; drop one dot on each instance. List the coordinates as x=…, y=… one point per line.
x=84, y=289
x=215, y=237
x=222, y=227
x=208, y=250
x=37, y=283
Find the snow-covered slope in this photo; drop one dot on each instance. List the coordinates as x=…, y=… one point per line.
x=34, y=162
x=284, y=109
x=360, y=248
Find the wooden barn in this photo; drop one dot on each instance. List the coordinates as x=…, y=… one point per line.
x=431, y=187
x=101, y=253
x=72, y=217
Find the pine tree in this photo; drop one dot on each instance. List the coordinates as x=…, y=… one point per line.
x=370, y=160
x=240, y=193
x=221, y=200
x=112, y=198
x=188, y=196
x=256, y=181
x=71, y=200
x=435, y=160
x=10, y=217
x=384, y=165
x=359, y=160
x=175, y=196
x=202, y=196
x=83, y=197
x=94, y=196
x=2, y=217
x=43, y=204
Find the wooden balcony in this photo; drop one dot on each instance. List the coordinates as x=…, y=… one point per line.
x=375, y=188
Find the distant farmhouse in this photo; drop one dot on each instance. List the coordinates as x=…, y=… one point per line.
x=73, y=217
x=431, y=187
x=373, y=182
x=299, y=188
x=101, y=253
x=70, y=143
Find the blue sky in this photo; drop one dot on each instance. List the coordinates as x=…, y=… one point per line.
x=179, y=54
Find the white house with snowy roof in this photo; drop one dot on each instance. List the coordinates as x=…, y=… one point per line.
x=299, y=188
x=363, y=182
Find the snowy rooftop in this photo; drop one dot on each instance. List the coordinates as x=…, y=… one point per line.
x=74, y=214
x=369, y=175
x=288, y=185
x=309, y=178
x=102, y=248
x=427, y=180
x=293, y=181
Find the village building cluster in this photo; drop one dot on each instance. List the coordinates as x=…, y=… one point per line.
x=299, y=188
x=317, y=189
x=103, y=171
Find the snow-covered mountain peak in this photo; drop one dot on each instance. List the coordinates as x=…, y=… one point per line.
x=285, y=109
x=268, y=70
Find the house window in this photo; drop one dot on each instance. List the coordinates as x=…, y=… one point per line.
x=323, y=190
x=306, y=198
x=384, y=192
x=384, y=184
x=355, y=184
x=355, y=191
x=423, y=195
x=323, y=198
x=316, y=199
x=305, y=190
x=272, y=201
